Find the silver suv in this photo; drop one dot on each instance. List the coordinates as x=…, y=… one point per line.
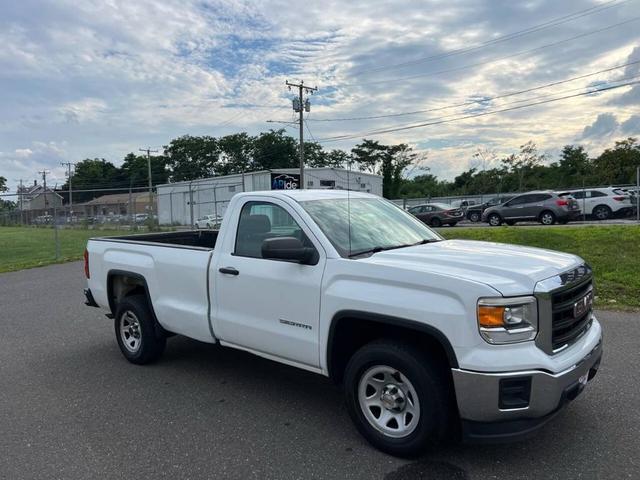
x=545, y=207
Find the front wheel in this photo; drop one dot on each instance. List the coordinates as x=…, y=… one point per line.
x=475, y=217
x=397, y=397
x=495, y=220
x=602, y=212
x=138, y=338
x=547, y=218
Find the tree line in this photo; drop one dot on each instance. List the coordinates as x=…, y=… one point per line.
x=404, y=171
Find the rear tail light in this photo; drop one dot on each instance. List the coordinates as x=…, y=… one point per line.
x=562, y=203
x=86, y=264
x=620, y=199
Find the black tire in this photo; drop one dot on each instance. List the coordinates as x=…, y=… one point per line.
x=475, y=217
x=453, y=224
x=511, y=223
x=602, y=212
x=427, y=377
x=547, y=217
x=494, y=220
x=150, y=336
x=435, y=222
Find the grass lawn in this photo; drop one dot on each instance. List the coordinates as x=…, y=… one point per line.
x=27, y=247
x=612, y=251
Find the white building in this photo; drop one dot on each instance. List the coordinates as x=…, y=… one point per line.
x=182, y=203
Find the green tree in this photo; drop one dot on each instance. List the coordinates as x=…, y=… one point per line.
x=3, y=184
x=235, y=154
x=618, y=165
x=573, y=167
x=190, y=158
x=274, y=149
x=96, y=173
x=135, y=170
x=387, y=161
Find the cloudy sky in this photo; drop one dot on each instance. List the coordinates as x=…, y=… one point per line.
x=102, y=78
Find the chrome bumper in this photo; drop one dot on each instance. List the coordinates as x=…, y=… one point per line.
x=479, y=394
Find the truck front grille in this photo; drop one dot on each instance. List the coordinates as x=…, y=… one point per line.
x=571, y=310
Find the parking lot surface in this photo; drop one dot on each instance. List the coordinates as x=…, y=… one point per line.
x=71, y=407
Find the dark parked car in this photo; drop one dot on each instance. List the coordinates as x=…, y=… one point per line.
x=437, y=214
x=474, y=213
x=545, y=207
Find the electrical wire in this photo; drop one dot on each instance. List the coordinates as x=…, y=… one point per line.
x=487, y=62
x=482, y=114
x=474, y=102
x=536, y=28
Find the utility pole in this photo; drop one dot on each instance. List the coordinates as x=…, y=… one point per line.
x=20, y=194
x=69, y=165
x=299, y=105
x=149, y=152
x=44, y=181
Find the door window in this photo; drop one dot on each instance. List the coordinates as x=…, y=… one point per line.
x=262, y=220
x=596, y=193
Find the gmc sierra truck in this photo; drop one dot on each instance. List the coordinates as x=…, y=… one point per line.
x=431, y=338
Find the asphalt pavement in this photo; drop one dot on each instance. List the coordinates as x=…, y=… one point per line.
x=71, y=407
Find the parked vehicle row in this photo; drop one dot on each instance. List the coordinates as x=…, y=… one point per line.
x=546, y=207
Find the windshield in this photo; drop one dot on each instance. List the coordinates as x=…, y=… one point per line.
x=375, y=224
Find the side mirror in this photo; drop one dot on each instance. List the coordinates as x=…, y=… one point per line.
x=290, y=249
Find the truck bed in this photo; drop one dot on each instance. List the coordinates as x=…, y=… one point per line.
x=201, y=239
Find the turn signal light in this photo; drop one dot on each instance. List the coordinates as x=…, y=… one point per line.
x=491, y=316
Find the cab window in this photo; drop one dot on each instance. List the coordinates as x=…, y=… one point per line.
x=262, y=220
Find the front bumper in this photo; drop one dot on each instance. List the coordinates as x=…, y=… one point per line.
x=480, y=398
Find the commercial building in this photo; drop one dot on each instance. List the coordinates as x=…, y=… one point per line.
x=182, y=203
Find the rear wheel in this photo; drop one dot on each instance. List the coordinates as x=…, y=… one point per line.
x=547, y=218
x=495, y=220
x=397, y=397
x=435, y=222
x=602, y=212
x=475, y=217
x=139, y=339
x=510, y=222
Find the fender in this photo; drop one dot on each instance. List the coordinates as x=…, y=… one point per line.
x=394, y=321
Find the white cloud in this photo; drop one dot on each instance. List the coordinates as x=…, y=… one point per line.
x=108, y=77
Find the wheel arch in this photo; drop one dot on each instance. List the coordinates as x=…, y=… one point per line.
x=123, y=283
x=351, y=329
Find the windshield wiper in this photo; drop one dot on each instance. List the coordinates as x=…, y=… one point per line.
x=394, y=247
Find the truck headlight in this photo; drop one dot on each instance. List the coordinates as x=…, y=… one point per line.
x=508, y=320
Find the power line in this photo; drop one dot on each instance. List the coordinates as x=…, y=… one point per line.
x=473, y=102
x=465, y=117
x=487, y=62
x=520, y=33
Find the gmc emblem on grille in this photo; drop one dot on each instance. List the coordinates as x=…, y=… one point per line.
x=583, y=305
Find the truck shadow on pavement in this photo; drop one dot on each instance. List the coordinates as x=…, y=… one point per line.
x=256, y=401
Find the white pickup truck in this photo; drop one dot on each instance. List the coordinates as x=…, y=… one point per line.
x=429, y=337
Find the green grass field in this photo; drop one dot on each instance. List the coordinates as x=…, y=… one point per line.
x=612, y=251
x=34, y=247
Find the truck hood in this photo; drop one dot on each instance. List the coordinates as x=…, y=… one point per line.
x=510, y=269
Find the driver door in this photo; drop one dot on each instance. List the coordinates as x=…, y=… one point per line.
x=265, y=305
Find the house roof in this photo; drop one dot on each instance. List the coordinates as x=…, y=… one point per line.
x=118, y=199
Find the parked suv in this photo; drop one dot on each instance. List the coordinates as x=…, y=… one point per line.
x=546, y=207
x=474, y=213
x=603, y=203
x=437, y=214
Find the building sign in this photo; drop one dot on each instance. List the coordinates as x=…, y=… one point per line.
x=285, y=181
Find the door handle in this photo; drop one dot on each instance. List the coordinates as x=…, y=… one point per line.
x=228, y=270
